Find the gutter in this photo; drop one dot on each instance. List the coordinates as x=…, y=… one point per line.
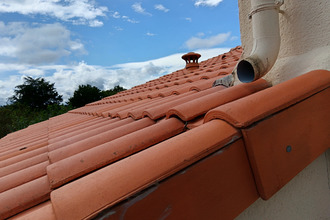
x=266, y=37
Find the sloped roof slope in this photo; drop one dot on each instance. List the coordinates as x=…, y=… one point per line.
x=175, y=147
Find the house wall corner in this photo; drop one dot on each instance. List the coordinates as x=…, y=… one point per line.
x=305, y=42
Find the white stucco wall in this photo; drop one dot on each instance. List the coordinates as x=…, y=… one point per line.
x=305, y=37
x=305, y=46
x=306, y=196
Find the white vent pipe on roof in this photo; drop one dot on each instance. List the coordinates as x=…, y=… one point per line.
x=266, y=37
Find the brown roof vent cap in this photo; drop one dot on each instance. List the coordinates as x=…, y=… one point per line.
x=191, y=59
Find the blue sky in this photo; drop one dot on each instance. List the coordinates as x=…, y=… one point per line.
x=108, y=42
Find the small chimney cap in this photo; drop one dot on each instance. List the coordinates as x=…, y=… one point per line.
x=191, y=54
x=191, y=60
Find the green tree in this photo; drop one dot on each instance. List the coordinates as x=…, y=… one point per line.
x=36, y=93
x=17, y=116
x=84, y=95
x=6, y=121
x=113, y=91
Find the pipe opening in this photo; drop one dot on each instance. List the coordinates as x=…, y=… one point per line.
x=245, y=71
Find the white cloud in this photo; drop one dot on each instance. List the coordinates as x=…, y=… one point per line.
x=173, y=62
x=150, y=34
x=68, y=77
x=77, y=11
x=208, y=3
x=95, y=23
x=33, y=72
x=37, y=43
x=137, y=7
x=116, y=14
x=161, y=8
x=197, y=42
x=128, y=19
x=7, y=87
x=188, y=19
x=200, y=34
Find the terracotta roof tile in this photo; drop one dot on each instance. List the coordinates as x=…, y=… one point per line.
x=200, y=105
x=23, y=148
x=160, y=110
x=67, y=150
x=87, y=191
x=21, y=157
x=193, y=149
x=23, y=164
x=82, y=134
x=203, y=191
x=39, y=212
x=23, y=176
x=112, y=151
x=71, y=131
x=24, y=196
x=35, y=136
x=137, y=112
x=113, y=111
x=123, y=113
x=69, y=120
x=299, y=139
x=273, y=99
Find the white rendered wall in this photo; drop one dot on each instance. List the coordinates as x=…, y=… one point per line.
x=306, y=196
x=305, y=46
x=305, y=38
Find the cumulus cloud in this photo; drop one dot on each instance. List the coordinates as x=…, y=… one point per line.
x=77, y=11
x=200, y=34
x=234, y=38
x=173, y=62
x=208, y=3
x=161, y=8
x=137, y=7
x=130, y=20
x=188, y=19
x=117, y=15
x=150, y=34
x=198, y=42
x=95, y=23
x=36, y=44
x=34, y=72
x=7, y=87
x=68, y=77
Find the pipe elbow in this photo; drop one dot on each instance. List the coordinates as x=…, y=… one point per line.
x=266, y=35
x=259, y=62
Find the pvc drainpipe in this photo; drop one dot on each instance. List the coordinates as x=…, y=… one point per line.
x=266, y=40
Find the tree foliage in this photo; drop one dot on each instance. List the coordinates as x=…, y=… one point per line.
x=33, y=101
x=86, y=94
x=6, y=121
x=17, y=116
x=37, y=100
x=36, y=93
x=113, y=91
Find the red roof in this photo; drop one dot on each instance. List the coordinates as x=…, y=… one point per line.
x=174, y=147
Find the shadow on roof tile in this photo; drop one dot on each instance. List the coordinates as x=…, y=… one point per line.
x=94, y=140
x=112, y=151
x=144, y=169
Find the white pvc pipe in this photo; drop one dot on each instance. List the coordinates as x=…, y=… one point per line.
x=266, y=37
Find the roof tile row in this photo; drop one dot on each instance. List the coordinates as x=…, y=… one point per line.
x=96, y=157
